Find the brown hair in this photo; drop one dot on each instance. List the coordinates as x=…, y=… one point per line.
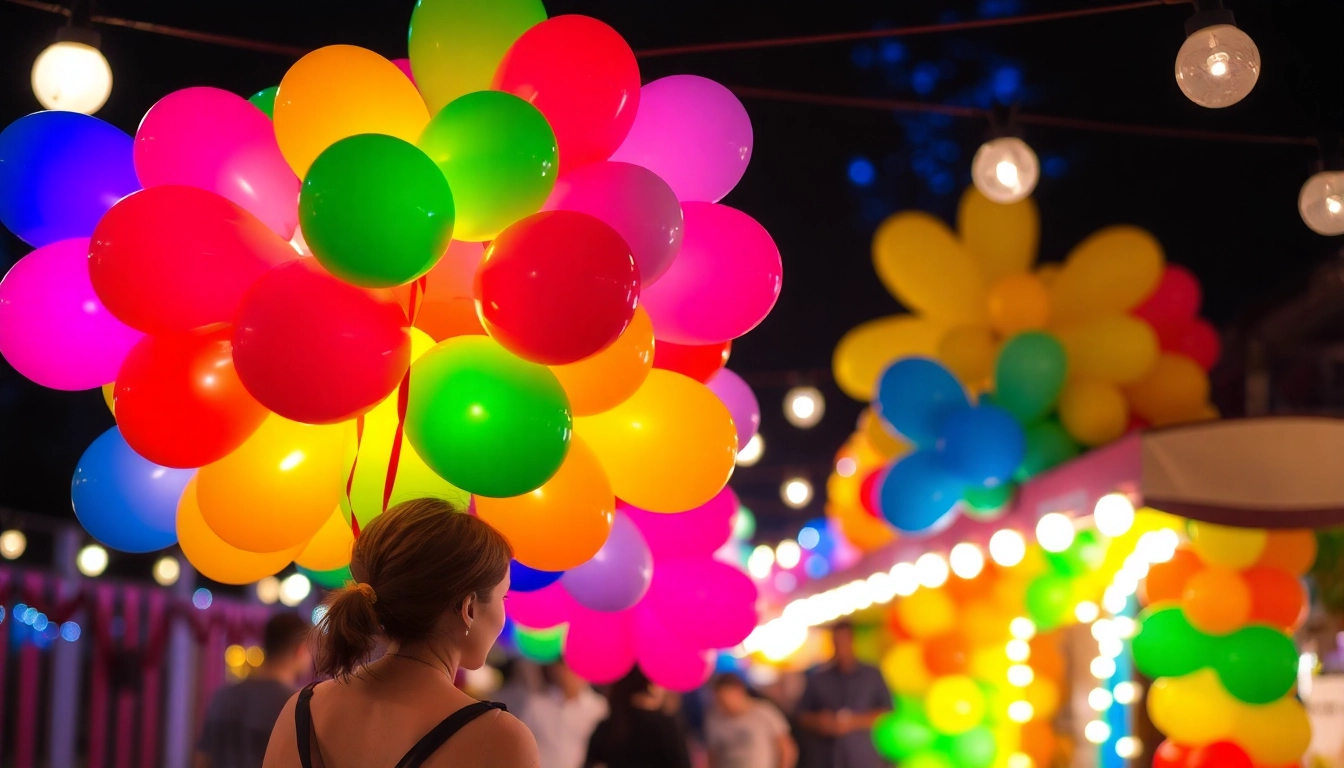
x=411, y=565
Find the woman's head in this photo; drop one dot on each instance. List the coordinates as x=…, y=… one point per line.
x=423, y=571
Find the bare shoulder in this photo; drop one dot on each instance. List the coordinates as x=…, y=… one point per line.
x=496, y=739
x=283, y=749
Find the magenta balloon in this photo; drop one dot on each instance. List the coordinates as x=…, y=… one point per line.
x=693, y=133
x=694, y=533
x=707, y=604
x=405, y=66
x=633, y=201
x=741, y=401
x=218, y=141
x=53, y=328
x=615, y=578
x=723, y=283
x=600, y=647
x=542, y=609
x=666, y=660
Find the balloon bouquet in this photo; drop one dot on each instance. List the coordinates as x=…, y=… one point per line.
x=383, y=280
x=1004, y=371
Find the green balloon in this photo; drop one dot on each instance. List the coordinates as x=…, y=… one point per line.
x=1084, y=555
x=1257, y=664
x=1029, y=375
x=540, y=645
x=455, y=45
x=499, y=156
x=1048, y=446
x=744, y=524
x=487, y=422
x=897, y=737
x=265, y=100
x=986, y=503
x=376, y=211
x=975, y=748
x=927, y=759
x=1049, y=600
x=328, y=579
x=1168, y=646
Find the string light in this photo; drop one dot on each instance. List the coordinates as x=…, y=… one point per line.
x=804, y=407
x=1097, y=732
x=1126, y=692
x=846, y=467
x=294, y=589
x=932, y=570
x=91, y=560
x=268, y=590
x=1321, y=203
x=1128, y=747
x=1086, y=612
x=788, y=554
x=1218, y=64
x=1007, y=548
x=1021, y=711
x=1022, y=628
x=1099, y=699
x=167, y=570
x=1005, y=169
x=1020, y=675
x=796, y=492
x=1102, y=667
x=1113, y=514
x=967, y=560
x=752, y=451
x=904, y=579
x=1054, y=532
x=1018, y=650
x=759, y=562
x=72, y=74
x=13, y=544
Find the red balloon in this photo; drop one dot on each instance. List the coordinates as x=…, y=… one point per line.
x=318, y=350
x=1169, y=754
x=1278, y=598
x=179, y=400
x=170, y=259
x=1220, y=754
x=556, y=287
x=583, y=77
x=947, y=654
x=1196, y=339
x=700, y=363
x=1174, y=302
x=868, y=495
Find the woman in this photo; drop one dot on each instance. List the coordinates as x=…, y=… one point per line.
x=637, y=734
x=430, y=584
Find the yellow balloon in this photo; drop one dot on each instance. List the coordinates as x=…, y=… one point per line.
x=924, y=266
x=1093, y=412
x=1277, y=733
x=1047, y=273
x=1193, y=709
x=330, y=547
x=216, y=559
x=984, y=624
x=955, y=704
x=867, y=349
x=859, y=528
x=903, y=667
x=108, y=390
x=1234, y=548
x=1110, y=272
x=1043, y=696
x=1001, y=238
x=1018, y=303
x=607, y=379
x=880, y=437
x=990, y=664
x=969, y=352
x=1118, y=349
x=926, y=613
x=340, y=91
x=670, y=447
x=278, y=488
x=456, y=45
x=1173, y=390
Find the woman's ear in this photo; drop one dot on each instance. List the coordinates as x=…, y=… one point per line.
x=468, y=611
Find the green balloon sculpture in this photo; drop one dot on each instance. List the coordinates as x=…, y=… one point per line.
x=1029, y=375
x=1257, y=664
x=1048, y=446
x=1168, y=646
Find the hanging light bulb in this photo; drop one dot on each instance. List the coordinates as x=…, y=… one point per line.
x=1218, y=64
x=91, y=560
x=13, y=544
x=167, y=570
x=796, y=492
x=804, y=407
x=751, y=452
x=1321, y=203
x=72, y=74
x=1005, y=169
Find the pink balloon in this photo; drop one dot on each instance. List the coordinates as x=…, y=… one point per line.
x=600, y=647
x=693, y=133
x=741, y=401
x=631, y=200
x=218, y=141
x=405, y=66
x=546, y=607
x=694, y=533
x=665, y=660
x=723, y=283
x=53, y=328
x=707, y=604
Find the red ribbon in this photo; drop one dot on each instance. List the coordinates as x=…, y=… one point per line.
x=419, y=287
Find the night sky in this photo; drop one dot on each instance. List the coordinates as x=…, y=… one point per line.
x=822, y=177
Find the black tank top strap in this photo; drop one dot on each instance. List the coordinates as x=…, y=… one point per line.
x=444, y=731
x=303, y=725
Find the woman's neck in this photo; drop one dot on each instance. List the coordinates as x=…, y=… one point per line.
x=437, y=655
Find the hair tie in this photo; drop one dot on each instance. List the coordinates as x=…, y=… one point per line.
x=367, y=591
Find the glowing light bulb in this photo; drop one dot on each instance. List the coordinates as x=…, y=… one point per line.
x=760, y=562
x=1020, y=675
x=268, y=590
x=1054, y=532
x=13, y=544
x=1022, y=628
x=752, y=451
x=1321, y=203
x=1099, y=699
x=1018, y=650
x=904, y=579
x=294, y=588
x=1020, y=711
x=167, y=570
x=967, y=560
x=1007, y=548
x=91, y=560
x=796, y=492
x=1218, y=64
x=1102, y=667
x=788, y=554
x=804, y=406
x=1113, y=514
x=72, y=74
x=1097, y=732
x=1128, y=747
x=1126, y=692
x=1086, y=612
x=846, y=467
x=1005, y=170
x=932, y=570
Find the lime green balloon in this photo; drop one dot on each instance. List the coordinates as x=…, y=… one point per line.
x=927, y=759
x=744, y=524
x=1168, y=646
x=540, y=645
x=488, y=422
x=265, y=100
x=975, y=748
x=1084, y=555
x=332, y=579
x=1257, y=664
x=499, y=156
x=1048, y=446
x=986, y=503
x=896, y=737
x=456, y=45
x=1049, y=600
x=375, y=211
x=1029, y=375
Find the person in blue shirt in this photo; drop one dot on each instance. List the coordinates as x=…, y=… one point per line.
x=842, y=701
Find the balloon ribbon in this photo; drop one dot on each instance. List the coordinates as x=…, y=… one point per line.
x=403, y=398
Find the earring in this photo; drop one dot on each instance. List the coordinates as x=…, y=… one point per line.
x=468, y=632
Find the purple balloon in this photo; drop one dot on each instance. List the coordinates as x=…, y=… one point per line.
x=741, y=402
x=617, y=577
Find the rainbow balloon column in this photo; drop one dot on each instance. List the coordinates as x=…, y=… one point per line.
x=1076, y=354
x=1217, y=635
x=377, y=282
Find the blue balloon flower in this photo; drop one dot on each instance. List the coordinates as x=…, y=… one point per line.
x=982, y=445
x=919, y=494
x=915, y=395
x=124, y=501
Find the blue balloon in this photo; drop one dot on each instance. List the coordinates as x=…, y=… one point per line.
x=983, y=445
x=59, y=173
x=919, y=494
x=915, y=395
x=124, y=501
x=524, y=579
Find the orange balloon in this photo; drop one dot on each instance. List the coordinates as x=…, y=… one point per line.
x=1047, y=660
x=1277, y=598
x=446, y=319
x=1043, y=695
x=330, y=547
x=216, y=559
x=981, y=587
x=1018, y=303
x=1038, y=741
x=108, y=389
x=607, y=379
x=278, y=488
x=1292, y=551
x=947, y=654
x=1166, y=581
x=669, y=448
x=880, y=437
x=564, y=522
x=1217, y=600
x=859, y=528
x=984, y=623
